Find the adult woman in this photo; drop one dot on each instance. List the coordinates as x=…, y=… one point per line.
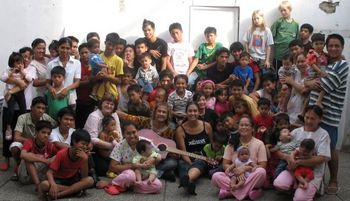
x=311, y=129
x=191, y=136
x=39, y=65
x=157, y=47
x=257, y=155
x=129, y=59
x=205, y=114
x=121, y=163
x=159, y=123
x=93, y=126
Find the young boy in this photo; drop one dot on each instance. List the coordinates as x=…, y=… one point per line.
x=263, y=122
x=304, y=34
x=68, y=173
x=245, y=72
x=54, y=103
x=180, y=53
x=36, y=155
x=147, y=76
x=61, y=136
x=205, y=55
x=284, y=30
x=296, y=47
x=137, y=105
x=140, y=48
x=119, y=49
x=74, y=50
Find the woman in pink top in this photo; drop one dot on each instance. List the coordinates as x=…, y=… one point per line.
x=257, y=154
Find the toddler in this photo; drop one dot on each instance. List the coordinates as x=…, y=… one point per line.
x=244, y=72
x=147, y=75
x=263, y=121
x=240, y=108
x=161, y=98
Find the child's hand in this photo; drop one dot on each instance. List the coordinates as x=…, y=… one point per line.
x=22, y=84
x=267, y=64
x=62, y=93
x=232, y=77
x=201, y=66
x=82, y=154
x=53, y=192
x=262, y=129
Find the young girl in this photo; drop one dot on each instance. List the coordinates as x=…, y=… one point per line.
x=258, y=41
x=208, y=87
x=240, y=108
x=243, y=159
x=145, y=152
x=244, y=72
x=222, y=104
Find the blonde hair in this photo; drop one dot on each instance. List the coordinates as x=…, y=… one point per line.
x=285, y=4
x=263, y=25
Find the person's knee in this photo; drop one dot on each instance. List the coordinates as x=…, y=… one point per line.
x=281, y=183
x=216, y=176
x=129, y=175
x=15, y=152
x=44, y=185
x=302, y=195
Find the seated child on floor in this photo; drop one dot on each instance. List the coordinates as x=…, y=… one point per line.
x=145, y=152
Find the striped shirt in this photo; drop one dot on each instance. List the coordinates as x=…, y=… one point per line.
x=334, y=84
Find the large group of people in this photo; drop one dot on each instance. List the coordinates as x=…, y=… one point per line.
x=267, y=120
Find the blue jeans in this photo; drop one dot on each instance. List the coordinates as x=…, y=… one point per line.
x=166, y=166
x=183, y=168
x=282, y=165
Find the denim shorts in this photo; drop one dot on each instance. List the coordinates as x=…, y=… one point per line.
x=333, y=134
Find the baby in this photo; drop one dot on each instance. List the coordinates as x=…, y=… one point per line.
x=243, y=159
x=145, y=153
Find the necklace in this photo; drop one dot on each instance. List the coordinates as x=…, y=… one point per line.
x=245, y=144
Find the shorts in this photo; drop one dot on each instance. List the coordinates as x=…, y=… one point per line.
x=68, y=181
x=16, y=144
x=201, y=165
x=332, y=132
x=25, y=178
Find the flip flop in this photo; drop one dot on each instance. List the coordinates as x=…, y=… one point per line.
x=112, y=189
x=332, y=190
x=4, y=166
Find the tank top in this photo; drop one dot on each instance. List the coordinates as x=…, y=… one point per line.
x=195, y=142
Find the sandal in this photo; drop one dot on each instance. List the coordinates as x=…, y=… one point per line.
x=332, y=190
x=112, y=189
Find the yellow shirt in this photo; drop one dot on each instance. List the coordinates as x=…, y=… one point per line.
x=253, y=106
x=116, y=65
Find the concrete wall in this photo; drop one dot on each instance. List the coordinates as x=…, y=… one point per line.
x=22, y=21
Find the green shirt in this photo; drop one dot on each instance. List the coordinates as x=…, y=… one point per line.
x=206, y=55
x=55, y=104
x=283, y=33
x=209, y=152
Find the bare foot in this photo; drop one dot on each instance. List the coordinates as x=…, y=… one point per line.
x=101, y=184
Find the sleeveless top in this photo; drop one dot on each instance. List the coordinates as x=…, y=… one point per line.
x=195, y=143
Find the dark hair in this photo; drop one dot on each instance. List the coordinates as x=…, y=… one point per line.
x=127, y=124
x=65, y=111
x=175, y=25
x=38, y=100
x=220, y=138
x=191, y=103
x=141, y=41
x=106, y=120
x=236, y=46
x=26, y=49
x=241, y=102
x=141, y=145
x=237, y=83
x=92, y=42
x=146, y=23
x=318, y=37
x=83, y=45
x=37, y=41
x=296, y=42
x=264, y=101
x=130, y=46
x=53, y=45
x=308, y=144
x=307, y=26
x=244, y=54
x=316, y=109
x=110, y=98
x=73, y=39
x=268, y=77
x=281, y=117
x=220, y=91
x=166, y=73
x=91, y=35
x=41, y=124
x=121, y=41
x=222, y=50
x=210, y=30
x=63, y=41
x=197, y=96
x=13, y=58
x=134, y=88
x=58, y=70
x=112, y=38
x=80, y=135
x=335, y=36
x=180, y=76
x=288, y=57
x=144, y=55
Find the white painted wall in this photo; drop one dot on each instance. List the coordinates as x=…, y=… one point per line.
x=22, y=21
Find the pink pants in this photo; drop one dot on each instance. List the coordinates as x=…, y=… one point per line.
x=255, y=180
x=127, y=179
x=285, y=181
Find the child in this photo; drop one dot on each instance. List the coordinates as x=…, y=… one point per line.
x=304, y=174
x=304, y=34
x=244, y=72
x=145, y=152
x=54, y=103
x=222, y=104
x=27, y=54
x=241, y=109
x=204, y=57
x=68, y=173
x=263, y=121
x=136, y=104
x=97, y=65
x=243, y=159
x=122, y=89
x=296, y=47
x=179, y=98
x=147, y=75
x=161, y=98
x=180, y=53
x=287, y=144
x=284, y=30
x=36, y=155
x=61, y=136
x=140, y=48
x=120, y=47
x=258, y=41
x=269, y=88
x=53, y=49
x=13, y=95
x=208, y=88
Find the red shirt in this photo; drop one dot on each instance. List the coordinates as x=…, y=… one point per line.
x=305, y=172
x=265, y=121
x=63, y=166
x=153, y=94
x=84, y=92
x=47, y=151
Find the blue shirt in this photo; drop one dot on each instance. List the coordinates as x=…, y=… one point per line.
x=94, y=60
x=245, y=73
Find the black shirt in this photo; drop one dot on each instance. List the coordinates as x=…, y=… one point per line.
x=161, y=46
x=219, y=76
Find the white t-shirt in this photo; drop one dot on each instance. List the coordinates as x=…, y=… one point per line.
x=40, y=71
x=179, y=54
x=296, y=101
x=322, y=148
x=56, y=136
x=258, y=41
